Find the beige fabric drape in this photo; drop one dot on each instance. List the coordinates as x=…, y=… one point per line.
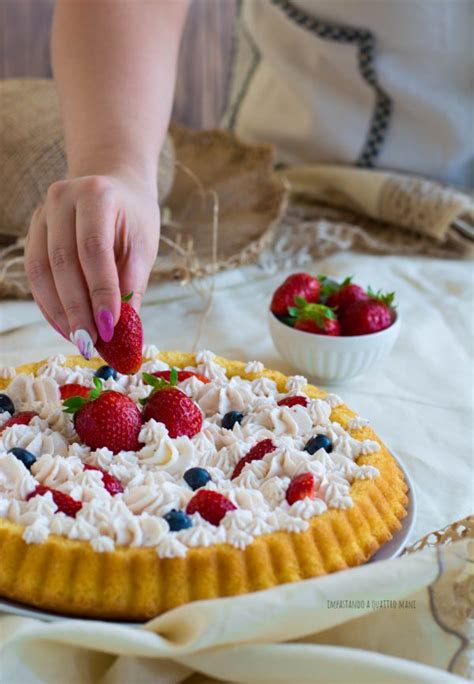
x=404, y=620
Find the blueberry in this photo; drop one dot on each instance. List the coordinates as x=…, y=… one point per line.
x=6, y=404
x=196, y=477
x=318, y=442
x=26, y=457
x=106, y=372
x=231, y=418
x=178, y=520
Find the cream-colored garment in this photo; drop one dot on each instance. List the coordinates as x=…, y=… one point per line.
x=398, y=621
x=306, y=94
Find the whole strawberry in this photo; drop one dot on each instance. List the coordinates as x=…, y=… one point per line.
x=315, y=318
x=329, y=326
x=345, y=295
x=106, y=419
x=210, y=505
x=296, y=285
x=169, y=405
x=369, y=316
x=124, y=351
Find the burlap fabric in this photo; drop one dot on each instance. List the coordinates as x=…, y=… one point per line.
x=32, y=152
x=222, y=203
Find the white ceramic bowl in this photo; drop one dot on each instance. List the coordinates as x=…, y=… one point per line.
x=332, y=360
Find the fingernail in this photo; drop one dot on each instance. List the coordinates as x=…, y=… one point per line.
x=105, y=324
x=83, y=342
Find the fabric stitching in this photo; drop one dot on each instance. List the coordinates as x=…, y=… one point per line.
x=366, y=45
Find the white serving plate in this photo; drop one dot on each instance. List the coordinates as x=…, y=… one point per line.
x=391, y=549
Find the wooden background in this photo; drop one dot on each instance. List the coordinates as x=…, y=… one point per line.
x=204, y=65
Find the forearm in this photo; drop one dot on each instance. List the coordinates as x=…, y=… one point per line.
x=114, y=64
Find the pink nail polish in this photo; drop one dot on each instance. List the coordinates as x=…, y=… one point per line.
x=105, y=324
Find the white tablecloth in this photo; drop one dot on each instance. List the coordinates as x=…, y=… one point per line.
x=419, y=400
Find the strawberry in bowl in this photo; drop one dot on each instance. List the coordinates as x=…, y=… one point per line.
x=337, y=334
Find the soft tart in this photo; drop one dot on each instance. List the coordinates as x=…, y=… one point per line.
x=283, y=482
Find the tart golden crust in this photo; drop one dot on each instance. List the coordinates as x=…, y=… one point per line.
x=134, y=584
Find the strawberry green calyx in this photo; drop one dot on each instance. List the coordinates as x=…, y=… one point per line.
x=159, y=383
x=127, y=297
x=387, y=298
x=73, y=404
x=329, y=286
x=304, y=311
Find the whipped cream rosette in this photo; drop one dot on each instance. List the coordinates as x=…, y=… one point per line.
x=356, y=500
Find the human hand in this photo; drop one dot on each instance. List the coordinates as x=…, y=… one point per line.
x=94, y=238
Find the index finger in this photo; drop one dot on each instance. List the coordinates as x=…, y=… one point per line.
x=95, y=233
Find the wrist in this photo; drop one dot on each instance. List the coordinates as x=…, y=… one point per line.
x=142, y=172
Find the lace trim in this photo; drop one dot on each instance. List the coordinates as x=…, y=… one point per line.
x=417, y=202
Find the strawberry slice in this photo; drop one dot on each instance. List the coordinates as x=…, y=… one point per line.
x=256, y=453
x=111, y=484
x=21, y=418
x=73, y=389
x=182, y=375
x=210, y=505
x=65, y=503
x=293, y=401
x=300, y=487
